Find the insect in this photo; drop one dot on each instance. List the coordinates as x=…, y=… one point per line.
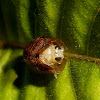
x=45, y=55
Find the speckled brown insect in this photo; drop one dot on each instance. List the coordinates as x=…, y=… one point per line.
x=35, y=48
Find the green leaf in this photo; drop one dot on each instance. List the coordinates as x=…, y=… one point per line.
x=76, y=22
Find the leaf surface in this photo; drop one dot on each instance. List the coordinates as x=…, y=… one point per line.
x=73, y=21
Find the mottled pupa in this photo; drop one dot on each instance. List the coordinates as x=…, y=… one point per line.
x=45, y=55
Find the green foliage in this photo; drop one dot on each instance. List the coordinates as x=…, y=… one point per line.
x=76, y=22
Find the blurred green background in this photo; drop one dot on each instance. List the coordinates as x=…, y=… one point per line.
x=76, y=22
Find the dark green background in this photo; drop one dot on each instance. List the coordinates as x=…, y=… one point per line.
x=76, y=22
